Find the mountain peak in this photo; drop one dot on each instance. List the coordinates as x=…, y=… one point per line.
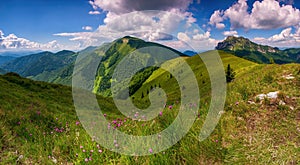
x=247, y=49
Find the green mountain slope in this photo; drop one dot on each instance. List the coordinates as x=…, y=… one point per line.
x=41, y=63
x=247, y=49
x=112, y=53
x=5, y=59
x=38, y=123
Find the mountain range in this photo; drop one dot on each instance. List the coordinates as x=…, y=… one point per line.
x=58, y=67
x=247, y=49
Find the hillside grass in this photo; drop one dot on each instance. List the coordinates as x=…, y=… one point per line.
x=38, y=123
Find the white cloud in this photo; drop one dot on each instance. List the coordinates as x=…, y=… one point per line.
x=267, y=14
x=284, y=39
x=230, y=33
x=148, y=25
x=94, y=12
x=216, y=19
x=202, y=37
x=13, y=42
x=155, y=20
x=198, y=41
x=88, y=28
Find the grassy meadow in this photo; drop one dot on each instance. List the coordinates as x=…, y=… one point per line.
x=38, y=122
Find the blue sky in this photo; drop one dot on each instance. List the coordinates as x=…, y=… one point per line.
x=75, y=24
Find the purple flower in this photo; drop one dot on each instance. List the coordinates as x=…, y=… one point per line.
x=136, y=115
x=170, y=106
x=100, y=151
x=150, y=150
x=86, y=159
x=237, y=103
x=81, y=147
x=38, y=112
x=160, y=113
x=77, y=122
x=104, y=115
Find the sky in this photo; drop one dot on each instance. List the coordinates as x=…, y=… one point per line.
x=182, y=24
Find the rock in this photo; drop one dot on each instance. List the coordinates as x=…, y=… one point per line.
x=261, y=96
x=273, y=95
x=281, y=102
x=54, y=160
x=289, y=77
x=251, y=102
x=20, y=157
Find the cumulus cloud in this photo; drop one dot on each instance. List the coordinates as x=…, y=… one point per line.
x=197, y=41
x=13, y=42
x=230, y=33
x=94, y=12
x=216, y=19
x=266, y=14
x=88, y=28
x=148, y=25
x=126, y=6
x=155, y=20
x=286, y=38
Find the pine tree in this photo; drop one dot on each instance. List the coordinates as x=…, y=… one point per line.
x=230, y=74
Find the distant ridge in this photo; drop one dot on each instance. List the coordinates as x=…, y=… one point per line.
x=243, y=47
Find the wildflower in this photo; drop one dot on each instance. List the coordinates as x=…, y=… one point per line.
x=104, y=115
x=30, y=134
x=90, y=159
x=19, y=123
x=81, y=147
x=100, y=151
x=136, y=115
x=216, y=140
x=76, y=155
x=170, y=106
x=150, y=150
x=77, y=122
x=237, y=103
x=92, y=151
x=86, y=159
x=98, y=146
x=160, y=113
x=38, y=112
x=83, y=150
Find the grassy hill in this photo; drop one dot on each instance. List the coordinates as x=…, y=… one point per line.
x=38, y=123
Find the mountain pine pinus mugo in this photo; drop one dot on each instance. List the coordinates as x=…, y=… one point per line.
x=230, y=74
